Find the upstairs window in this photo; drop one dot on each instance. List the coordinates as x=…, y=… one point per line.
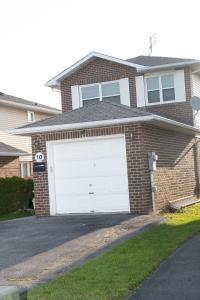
x=153, y=90
x=168, y=92
x=160, y=89
x=30, y=116
x=99, y=92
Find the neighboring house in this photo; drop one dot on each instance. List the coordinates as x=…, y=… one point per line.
x=119, y=117
x=16, y=151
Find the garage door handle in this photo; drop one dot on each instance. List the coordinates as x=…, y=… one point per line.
x=91, y=193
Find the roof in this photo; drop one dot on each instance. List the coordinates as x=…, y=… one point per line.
x=150, y=61
x=104, y=113
x=7, y=150
x=55, y=81
x=16, y=101
x=140, y=63
x=103, y=110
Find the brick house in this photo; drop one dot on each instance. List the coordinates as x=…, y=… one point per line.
x=126, y=140
x=16, y=151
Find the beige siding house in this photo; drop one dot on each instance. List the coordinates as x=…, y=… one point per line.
x=16, y=112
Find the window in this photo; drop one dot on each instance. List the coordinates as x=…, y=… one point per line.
x=168, y=92
x=160, y=89
x=153, y=90
x=25, y=169
x=99, y=92
x=31, y=116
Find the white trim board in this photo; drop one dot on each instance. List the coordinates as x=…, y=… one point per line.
x=14, y=154
x=151, y=119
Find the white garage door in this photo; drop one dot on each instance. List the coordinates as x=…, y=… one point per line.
x=88, y=175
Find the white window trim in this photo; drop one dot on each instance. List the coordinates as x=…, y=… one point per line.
x=161, y=102
x=30, y=112
x=28, y=168
x=100, y=91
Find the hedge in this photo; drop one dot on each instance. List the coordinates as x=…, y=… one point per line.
x=15, y=194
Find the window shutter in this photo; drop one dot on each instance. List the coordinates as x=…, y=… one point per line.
x=140, y=91
x=75, y=97
x=124, y=91
x=179, y=84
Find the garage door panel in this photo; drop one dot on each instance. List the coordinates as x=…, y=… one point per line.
x=98, y=203
x=72, y=169
x=70, y=205
x=79, y=186
x=92, y=150
x=104, y=205
x=90, y=175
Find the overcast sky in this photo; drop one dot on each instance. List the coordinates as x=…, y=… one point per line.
x=40, y=38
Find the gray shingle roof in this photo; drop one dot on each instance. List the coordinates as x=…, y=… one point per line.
x=5, y=148
x=104, y=110
x=18, y=100
x=151, y=61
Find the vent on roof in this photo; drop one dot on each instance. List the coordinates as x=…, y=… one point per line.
x=2, y=94
x=35, y=103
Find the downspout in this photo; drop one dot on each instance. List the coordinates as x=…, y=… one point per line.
x=197, y=166
x=197, y=153
x=152, y=158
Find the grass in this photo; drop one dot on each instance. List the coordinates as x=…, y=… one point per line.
x=117, y=272
x=17, y=214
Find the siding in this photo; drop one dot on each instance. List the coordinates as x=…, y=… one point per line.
x=196, y=92
x=10, y=118
x=196, y=85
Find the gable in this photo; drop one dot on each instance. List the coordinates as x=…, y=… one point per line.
x=97, y=71
x=55, y=81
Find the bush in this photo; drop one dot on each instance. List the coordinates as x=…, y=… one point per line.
x=15, y=193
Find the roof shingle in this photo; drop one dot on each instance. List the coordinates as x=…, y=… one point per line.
x=7, y=149
x=18, y=100
x=151, y=61
x=103, y=110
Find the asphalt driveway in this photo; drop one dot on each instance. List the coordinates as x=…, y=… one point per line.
x=23, y=238
x=176, y=279
x=37, y=249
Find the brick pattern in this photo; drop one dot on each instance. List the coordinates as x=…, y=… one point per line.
x=99, y=70
x=9, y=166
x=175, y=175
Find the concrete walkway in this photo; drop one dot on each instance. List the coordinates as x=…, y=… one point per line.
x=34, y=249
x=176, y=279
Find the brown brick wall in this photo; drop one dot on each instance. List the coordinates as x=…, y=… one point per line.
x=175, y=176
x=136, y=158
x=99, y=70
x=9, y=166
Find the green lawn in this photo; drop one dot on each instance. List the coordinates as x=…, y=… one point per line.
x=116, y=273
x=17, y=214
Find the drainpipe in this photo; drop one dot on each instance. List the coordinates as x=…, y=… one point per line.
x=196, y=152
x=197, y=166
x=152, y=158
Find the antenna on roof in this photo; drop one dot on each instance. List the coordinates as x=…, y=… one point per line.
x=152, y=42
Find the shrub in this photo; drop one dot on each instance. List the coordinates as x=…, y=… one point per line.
x=15, y=193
